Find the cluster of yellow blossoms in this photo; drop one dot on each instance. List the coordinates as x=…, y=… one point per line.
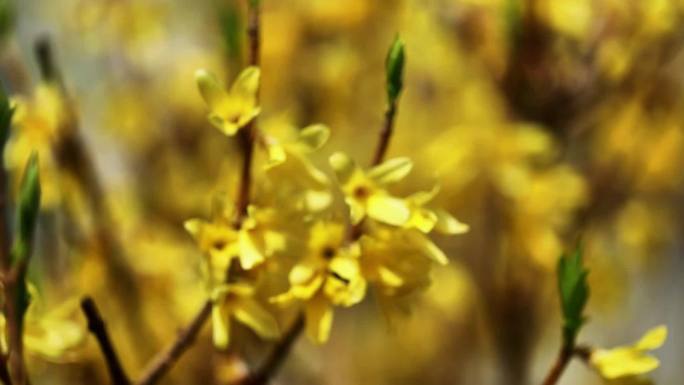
x=378, y=241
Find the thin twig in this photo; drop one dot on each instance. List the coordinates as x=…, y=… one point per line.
x=270, y=366
x=167, y=358
x=385, y=134
x=564, y=356
x=248, y=133
x=97, y=327
x=15, y=322
x=562, y=360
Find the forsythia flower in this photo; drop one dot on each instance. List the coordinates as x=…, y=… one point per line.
x=52, y=335
x=634, y=360
x=236, y=300
x=329, y=275
x=251, y=242
x=364, y=191
x=426, y=219
x=233, y=109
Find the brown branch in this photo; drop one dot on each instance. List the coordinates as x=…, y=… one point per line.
x=167, y=358
x=97, y=327
x=385, y=134
x=248, y=133
x=270, y=366
x=562, y=360
x=15, y=321
x=564, y=356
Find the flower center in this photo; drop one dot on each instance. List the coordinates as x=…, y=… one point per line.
x=361, y=192
x=219, y=244
x=328, y=252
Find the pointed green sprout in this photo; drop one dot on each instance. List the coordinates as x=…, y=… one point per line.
x=394, y=67
x=574, y=293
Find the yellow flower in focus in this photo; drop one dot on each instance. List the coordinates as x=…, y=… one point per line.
x=364, y=192
x=251, y=242
x=634, y=360
x=237, y=301
x=426, y=219
x=329, y=275
x=230, y=110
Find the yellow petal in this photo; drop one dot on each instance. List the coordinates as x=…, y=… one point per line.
x=249, y=312
x=622, y=362
x=319, y=317
x=343, y=166
x=390, y=171
x=305, y=280
x=447, y=224
x=246, y=86
x=388, y=209
x=356, y=210
x=276, y=154
x=421, y=198
x=345, y=286
x=220, y=326
x=227, y=126
x=249, y=254
x=210, y=89
x=653, y=339
x=427, y=247
x=314, y=136
x=389, y=278
x=193, y=226
x=422, y=219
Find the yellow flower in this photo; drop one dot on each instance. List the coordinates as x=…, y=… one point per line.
x=251, y=242
x=634, y=360
x=237, y=301
x=53, y=335
x=364, y=191
x=329, y=275
x=230, y=110
x=398, y=261
x=426, y=219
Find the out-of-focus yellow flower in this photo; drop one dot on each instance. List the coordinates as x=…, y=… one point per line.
x=251, y=242
x=230, y=110
x=237, y=301
x=364, y=192
x=329, y=275
x=300, y=181
x=634, y=360
x=53, y=335
x=37, y=122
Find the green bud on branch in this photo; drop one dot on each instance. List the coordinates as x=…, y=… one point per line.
x=574, y=293
x=394, y=67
